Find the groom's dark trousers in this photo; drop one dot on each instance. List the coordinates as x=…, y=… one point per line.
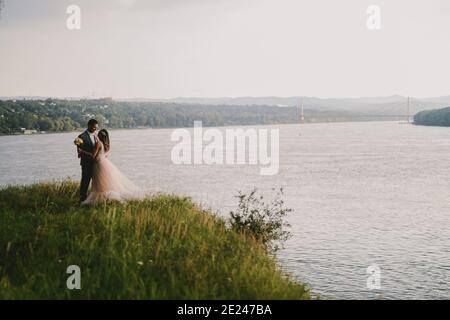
x=86, y=177
x=87, y=164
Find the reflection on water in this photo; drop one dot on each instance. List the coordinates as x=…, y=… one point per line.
x=363, y=193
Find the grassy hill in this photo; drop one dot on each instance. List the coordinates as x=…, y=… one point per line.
x=164, y=247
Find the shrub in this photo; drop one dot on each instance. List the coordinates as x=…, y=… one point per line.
x=265, y=222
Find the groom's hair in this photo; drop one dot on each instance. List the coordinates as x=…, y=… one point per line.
x=91, y=122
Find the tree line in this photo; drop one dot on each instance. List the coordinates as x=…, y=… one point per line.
x=58, y=115
x=66, y=115
x=439, y=117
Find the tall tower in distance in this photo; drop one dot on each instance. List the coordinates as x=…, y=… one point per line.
x=408, y=119
x=302, y=112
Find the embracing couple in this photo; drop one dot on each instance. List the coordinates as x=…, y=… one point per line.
x=108, y=183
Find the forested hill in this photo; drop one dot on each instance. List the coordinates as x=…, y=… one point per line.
x=439, y=117
x=54, y=115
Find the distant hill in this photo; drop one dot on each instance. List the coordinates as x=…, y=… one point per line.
x=278, y=101
x=439, y=117
x=23, y=98
x=374, y=106
x=395, y=105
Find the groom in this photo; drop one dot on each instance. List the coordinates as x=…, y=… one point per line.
x=85, y=151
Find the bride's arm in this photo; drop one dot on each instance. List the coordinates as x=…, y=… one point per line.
x=96, y=150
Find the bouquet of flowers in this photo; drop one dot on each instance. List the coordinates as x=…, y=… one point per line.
x=78, y=142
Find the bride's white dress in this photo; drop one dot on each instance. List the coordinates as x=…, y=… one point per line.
x=108, y=183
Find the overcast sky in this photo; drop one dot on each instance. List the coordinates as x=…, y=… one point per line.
x=216, y=48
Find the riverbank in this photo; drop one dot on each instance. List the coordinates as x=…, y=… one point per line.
x=164, y=247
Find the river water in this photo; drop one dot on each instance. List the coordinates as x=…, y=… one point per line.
x=363, y=194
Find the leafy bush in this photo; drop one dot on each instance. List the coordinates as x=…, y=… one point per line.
x=265, y=222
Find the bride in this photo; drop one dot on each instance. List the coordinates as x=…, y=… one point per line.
x=108, y=183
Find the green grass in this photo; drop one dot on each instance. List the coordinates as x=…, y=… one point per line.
x=164, y=247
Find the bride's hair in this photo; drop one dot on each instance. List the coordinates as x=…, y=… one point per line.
x=103, y=135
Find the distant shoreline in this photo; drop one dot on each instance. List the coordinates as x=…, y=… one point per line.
x=221, y=126
x=56, y=116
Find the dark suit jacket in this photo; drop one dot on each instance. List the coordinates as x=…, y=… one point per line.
x=87, y=146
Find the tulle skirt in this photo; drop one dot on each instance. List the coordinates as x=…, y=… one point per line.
x=109, y=184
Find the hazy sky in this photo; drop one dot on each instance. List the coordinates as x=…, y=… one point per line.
x=214, y=48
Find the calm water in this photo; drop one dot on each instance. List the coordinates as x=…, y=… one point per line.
x=363, y=193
